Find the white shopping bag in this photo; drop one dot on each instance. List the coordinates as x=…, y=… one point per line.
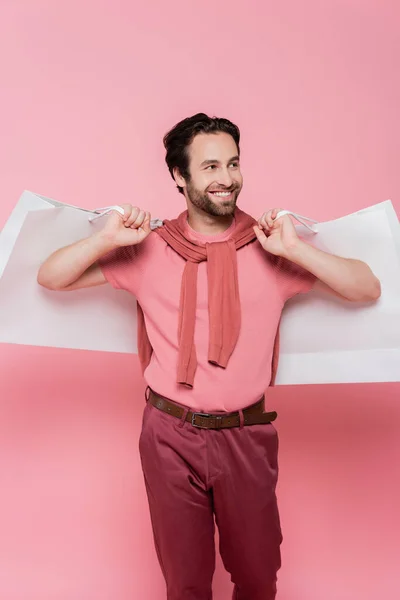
x=99, y=318
x=323, y=339
x=329, y=340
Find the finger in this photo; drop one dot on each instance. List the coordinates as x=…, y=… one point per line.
x=261, y=221
x=139, y=220
x=269, y=218
x=264, y=223
x=146, y=223
x=127, y=211
x=133, y=216
x=275, y=213
x=138, y=224
x=115, y=212
x=262, y=238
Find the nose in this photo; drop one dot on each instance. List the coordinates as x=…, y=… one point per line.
x=224, y=177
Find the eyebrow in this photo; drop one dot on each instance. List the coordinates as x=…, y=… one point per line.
x=215, y=161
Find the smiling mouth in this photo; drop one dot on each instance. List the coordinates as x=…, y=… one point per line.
x=222, y=194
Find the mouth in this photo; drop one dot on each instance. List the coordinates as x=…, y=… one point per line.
x=222, y=195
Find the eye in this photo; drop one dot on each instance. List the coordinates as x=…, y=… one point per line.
x=210, y=167
x=234, y=164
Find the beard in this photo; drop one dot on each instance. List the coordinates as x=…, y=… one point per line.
x=203, y=201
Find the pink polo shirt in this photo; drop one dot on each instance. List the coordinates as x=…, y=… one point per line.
x=152, y=272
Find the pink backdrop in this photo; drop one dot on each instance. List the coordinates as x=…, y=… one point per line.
x=87, y=91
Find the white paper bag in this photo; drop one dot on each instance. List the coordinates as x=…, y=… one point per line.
x=99, y=318
x=323, y=339
x=329, y=340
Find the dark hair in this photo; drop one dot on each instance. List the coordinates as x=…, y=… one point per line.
x=178, y=140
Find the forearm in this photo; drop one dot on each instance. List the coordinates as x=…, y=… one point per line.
x=350, y=278
x=67, y=264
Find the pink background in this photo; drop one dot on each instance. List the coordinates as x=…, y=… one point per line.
x=87, y=91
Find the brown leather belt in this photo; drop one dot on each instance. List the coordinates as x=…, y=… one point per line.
x=253, y=415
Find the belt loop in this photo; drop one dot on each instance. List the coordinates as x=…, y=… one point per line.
x=241, y=418
x=147, y=393
x=183, y=418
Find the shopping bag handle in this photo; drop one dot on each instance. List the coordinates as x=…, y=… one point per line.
x=302, y=220
x=154, y=223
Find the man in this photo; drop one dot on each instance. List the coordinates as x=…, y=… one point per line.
x=210, y=286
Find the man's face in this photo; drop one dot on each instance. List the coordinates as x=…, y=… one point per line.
x=215, y=178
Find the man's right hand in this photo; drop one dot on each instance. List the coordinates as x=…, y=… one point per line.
x=75, y=266
x=127, y=230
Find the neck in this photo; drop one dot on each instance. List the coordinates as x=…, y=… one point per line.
x=207, y=224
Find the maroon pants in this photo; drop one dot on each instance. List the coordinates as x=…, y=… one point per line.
x=192, y=475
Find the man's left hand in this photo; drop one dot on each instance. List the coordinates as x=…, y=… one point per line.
x=346, y=277
x=276, y=236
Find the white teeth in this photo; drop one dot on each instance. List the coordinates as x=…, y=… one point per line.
x=222, y=193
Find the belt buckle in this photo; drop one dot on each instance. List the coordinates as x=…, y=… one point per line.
x=204, y=415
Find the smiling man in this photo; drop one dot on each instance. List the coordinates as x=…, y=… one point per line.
x=210, y=286
x=215, y=198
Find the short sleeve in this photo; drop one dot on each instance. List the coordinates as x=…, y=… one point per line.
x=292, y=279
x=121, y=269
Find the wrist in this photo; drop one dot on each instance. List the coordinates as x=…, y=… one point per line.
x=105, y=242
x=295, y=251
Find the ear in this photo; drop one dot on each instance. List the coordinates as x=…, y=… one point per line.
x=179, y=180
